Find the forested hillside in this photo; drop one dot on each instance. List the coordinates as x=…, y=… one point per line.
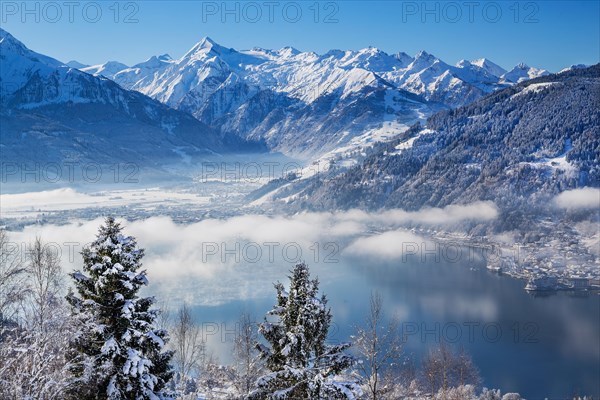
x=513, y=147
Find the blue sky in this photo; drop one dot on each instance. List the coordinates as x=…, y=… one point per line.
x=546, y=34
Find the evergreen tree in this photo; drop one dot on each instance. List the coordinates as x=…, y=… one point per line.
x=117, y=335
x=302, y=366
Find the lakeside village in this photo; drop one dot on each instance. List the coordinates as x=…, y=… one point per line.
x=560, y=261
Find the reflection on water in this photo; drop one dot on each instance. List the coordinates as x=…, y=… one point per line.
x=542, y=345
x=538, y=345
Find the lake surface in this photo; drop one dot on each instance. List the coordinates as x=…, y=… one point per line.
x=539, y=346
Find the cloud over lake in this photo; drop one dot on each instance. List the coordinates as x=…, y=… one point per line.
x=243, y=255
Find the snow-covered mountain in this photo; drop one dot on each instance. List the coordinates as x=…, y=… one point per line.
x=518, y=147
x=574, y=66
x=107, y=70
x=523, y=72
x=300, y=102
x=76, y=64
x=54, y=113
x=489, y=66
x=203, y=70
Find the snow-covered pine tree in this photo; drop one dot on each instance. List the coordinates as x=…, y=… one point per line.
x=301, y=364
x=117, y=334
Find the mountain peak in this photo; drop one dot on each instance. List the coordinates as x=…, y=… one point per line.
x=8, y=41
x=370, y=50
x=108, y=69
x=334, y=53
x=574, y=66
x=206, y=42
x=523, y=72
x=154, y=62
x=76, y=64
x=401, y=54
x=480, y=61
x=205, y=46
x=288, y=51
x=423, y=56
x=403, y=58
x=489, y=66
x=424, y=60
x=115, y=64
x=5, y=35
x=12, y=49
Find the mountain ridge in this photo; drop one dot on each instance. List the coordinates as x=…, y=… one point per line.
x=218, y=85
x=79, y=117
x=532, y=140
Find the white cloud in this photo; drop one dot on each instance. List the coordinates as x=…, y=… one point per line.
x=50, y=198
x=21, y=204
x=180, y=255
x=585, y=198
x=387, y=245
x=478, y=211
